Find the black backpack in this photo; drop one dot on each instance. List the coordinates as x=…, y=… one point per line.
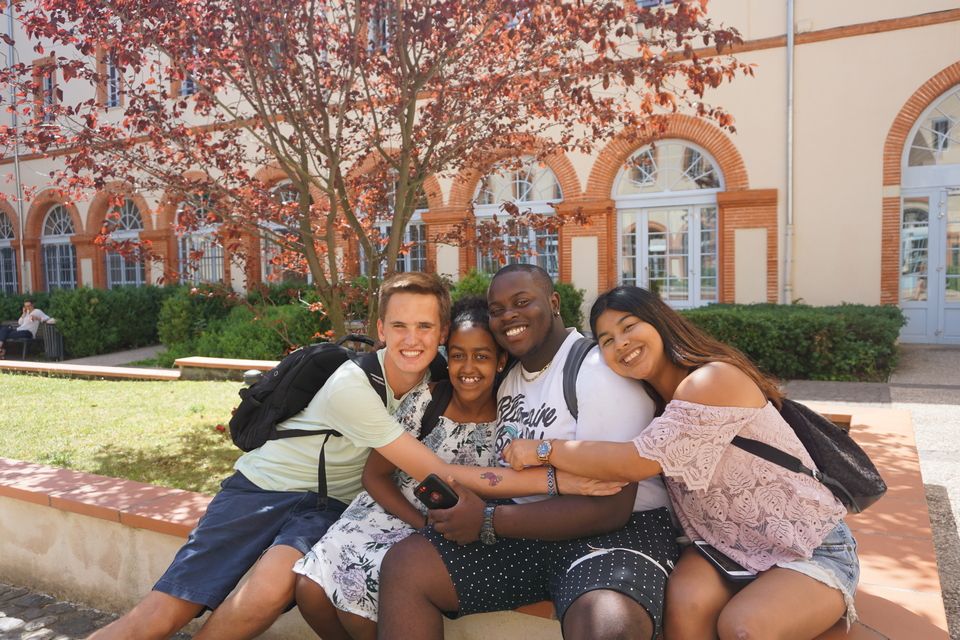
x=289, y=387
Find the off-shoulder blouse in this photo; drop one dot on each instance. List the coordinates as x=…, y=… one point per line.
x=756, y=512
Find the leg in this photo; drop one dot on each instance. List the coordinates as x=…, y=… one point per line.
x=414, y=589
x=768, y=608
x=157, y=616
x=318, y=611
x=696, y=594
x=259, y=601
x=358, y=627
x=603, y=614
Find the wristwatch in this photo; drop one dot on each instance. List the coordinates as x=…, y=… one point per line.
x=487, y=534
x=544, y=449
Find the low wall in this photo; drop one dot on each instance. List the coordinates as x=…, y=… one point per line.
x=104, y=542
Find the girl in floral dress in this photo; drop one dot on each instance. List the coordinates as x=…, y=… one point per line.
x=782, y=526
x=338, y=587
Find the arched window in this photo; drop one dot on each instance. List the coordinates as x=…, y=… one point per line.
x=270, y=247
x=201, y=258
x=59, y=255
x=413, y=253
x=534, y=187
x=666, y=198
x=8, y=257
x=124, y=270
x=930, y=225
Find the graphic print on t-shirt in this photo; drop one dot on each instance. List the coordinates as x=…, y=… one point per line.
x=516, y=420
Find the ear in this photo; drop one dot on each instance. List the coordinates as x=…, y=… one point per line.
x=380, y=331
x=501, y=361
x=555, y=303
x=444, y=334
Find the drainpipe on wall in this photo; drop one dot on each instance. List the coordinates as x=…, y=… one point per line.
x=11, y=56
x=787, y=295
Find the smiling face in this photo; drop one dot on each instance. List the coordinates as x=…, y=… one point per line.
x=473, y=359
x=412, y=331
x=631, y=347
x=522, y=313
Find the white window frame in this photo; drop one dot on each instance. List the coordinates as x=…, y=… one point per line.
x=111, y=82
x=268, y=246
x=922, y=176
x=484, y=213
x=123, y=230
x=59, y=254
x=696, y=200
x=8, y=256
x=211, y=269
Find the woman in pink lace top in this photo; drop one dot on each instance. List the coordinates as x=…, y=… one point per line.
x=785, y=527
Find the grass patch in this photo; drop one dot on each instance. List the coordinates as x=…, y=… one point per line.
x=164, y=433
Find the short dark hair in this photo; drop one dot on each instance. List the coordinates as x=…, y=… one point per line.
x=472, y=311
x=538, y=273
x=428, y=284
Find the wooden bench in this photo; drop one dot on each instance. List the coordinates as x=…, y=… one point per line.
x=899, y=594
x=48, y=340
x=204, y=368
x=87, y=371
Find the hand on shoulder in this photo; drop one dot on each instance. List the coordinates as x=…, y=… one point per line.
x=720, y=384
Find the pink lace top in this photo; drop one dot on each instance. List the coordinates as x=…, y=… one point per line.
x=756, y=512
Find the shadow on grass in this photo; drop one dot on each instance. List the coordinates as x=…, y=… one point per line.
x=196, y=462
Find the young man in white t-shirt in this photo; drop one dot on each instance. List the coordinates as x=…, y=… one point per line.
x=602, y=561
x=27, y=325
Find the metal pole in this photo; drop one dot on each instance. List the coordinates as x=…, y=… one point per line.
x=16, y=151
x=787, y=296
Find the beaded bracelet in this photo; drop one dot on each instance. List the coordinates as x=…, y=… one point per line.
x=552, y=481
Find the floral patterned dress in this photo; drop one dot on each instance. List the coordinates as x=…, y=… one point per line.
x=346, y=560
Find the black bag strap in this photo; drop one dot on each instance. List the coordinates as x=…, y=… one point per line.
x=441, y=395
x=370, y=364
x=571, y=368
x=792, y=463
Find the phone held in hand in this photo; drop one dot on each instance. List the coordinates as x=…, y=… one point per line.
x=434, y=493
x=723, y=563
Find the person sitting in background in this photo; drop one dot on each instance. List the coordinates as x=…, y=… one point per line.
x=26, y=327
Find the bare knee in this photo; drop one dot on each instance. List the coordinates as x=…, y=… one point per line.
x=604, y=614
x=157, y=616
x=740, y=625
x=403, y=562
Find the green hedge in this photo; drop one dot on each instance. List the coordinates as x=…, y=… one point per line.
x=95, y=321
x=571, y=299
x=800, y=342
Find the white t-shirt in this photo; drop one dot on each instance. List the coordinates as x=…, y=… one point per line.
x=611, y=408
x=31, y=321
x=346, y=403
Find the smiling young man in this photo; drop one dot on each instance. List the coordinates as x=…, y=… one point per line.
x=603, y=561
x=266, y=515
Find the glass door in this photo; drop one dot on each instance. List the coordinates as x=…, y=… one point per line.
x=930, y=266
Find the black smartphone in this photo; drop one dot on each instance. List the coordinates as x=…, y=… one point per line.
x=434, y=493
x=724, y=564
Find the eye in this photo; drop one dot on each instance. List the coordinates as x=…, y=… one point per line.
x=456, y=356
x=606, y=342
x=482, y=356
x=495, y=312
x=522, y=302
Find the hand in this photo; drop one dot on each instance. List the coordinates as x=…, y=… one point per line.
x=521, y=453
x=572, y=484
x=461, y=522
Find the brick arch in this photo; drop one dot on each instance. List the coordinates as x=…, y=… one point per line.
x=465, y=183
x=39, y=208
x=7, y=208
x=100, y=205
x=431, y=186
x=893, y=148
x=169, y=203
x=713, y=140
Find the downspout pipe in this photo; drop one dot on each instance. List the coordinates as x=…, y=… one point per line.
x=787, y=295
x=14, y=122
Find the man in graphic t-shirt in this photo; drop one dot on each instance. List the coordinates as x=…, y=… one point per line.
x=591, y=556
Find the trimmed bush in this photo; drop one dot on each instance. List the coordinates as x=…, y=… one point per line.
x=800, y=342
x=476, y=283
x=12, y=305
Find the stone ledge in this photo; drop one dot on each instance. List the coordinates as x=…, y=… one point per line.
x=88, y=371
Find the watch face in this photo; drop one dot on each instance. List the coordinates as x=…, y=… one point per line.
x=488, y=537
x=543, y=450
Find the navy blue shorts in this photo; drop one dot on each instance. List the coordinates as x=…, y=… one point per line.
x=634, y=561
x=241, y=522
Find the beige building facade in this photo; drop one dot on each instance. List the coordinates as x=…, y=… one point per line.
x=840, y=184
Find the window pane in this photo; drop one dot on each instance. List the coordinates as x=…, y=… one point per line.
x=953, y=249
x=913, y=249
x=8, y=270
x=937, y=140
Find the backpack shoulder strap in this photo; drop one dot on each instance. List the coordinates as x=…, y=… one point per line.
x=370, y=364
x=571, y=368
x=440, y=398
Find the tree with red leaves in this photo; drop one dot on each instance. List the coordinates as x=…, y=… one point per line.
x=357, y=103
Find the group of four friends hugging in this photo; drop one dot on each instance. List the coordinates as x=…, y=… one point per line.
x=594, y=513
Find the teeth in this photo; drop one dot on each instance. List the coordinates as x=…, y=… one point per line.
x=515, y=331
x=411, y=354
x=471, y=380
x=627, y=359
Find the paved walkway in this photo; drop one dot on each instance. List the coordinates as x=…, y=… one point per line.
x=120, y=357
x=927, y=383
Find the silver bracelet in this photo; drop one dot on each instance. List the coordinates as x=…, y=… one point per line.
x=552, y=481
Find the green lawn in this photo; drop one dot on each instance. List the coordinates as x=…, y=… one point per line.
x=163, y=433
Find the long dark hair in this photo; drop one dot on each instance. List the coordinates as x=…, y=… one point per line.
x=684, y=344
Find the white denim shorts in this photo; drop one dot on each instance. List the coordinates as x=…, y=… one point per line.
x=835, y=564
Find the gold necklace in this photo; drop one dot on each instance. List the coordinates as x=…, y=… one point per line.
x=535, y=375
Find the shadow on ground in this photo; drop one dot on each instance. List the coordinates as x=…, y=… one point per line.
x=198, y=462
x=947, y=544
